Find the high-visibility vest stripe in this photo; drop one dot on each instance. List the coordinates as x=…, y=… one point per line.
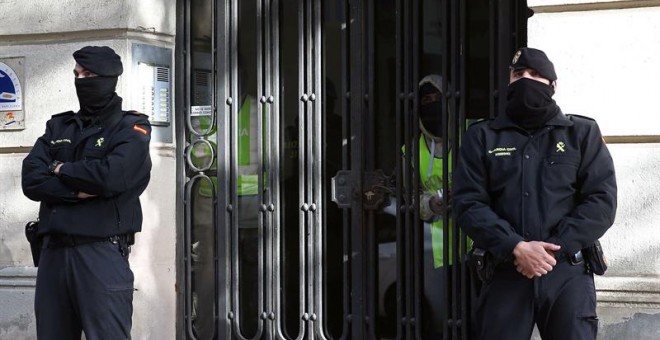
x=244, y=129
x=248, y=184
x=432, y=182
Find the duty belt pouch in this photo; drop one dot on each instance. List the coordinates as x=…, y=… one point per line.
x=595, y=258
x=35, y=240
x=482, y=262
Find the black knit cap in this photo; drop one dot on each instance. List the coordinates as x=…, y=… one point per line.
x=528, y=57
x=101, y=60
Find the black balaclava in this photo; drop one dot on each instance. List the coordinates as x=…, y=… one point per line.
x=430, y=114
x=97, y=93
x=530, y=104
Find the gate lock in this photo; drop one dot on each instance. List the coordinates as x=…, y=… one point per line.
x=376, y=189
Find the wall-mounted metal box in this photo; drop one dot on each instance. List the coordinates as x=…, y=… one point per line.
x=152, y=88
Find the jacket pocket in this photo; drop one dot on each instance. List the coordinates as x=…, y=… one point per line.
x=93, y=153
x=563, y=160
x=560, y=173
x=62, y=152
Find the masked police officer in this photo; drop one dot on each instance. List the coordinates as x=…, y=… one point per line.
x=533, y=187
x=88, y=171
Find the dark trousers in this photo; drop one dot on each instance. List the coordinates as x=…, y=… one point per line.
x=87, y=287
x=561, y=303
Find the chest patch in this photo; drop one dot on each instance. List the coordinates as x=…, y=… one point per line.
x=502, y=151
x=60, y=141
x=561, y=147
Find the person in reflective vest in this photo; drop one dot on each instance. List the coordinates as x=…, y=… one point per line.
x=431, y=162
x=248, y=205
x=431, y=203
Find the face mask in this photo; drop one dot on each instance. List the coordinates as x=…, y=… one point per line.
x=530, y=103
x=95, y=93
x=430, y=115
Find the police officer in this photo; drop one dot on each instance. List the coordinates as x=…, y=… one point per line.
x=533, y=187
x=88, y=171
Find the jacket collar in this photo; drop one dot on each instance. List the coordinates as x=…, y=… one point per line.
x=108, y=119
x=503, y=121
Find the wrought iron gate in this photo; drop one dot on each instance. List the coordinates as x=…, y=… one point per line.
x=302, y=165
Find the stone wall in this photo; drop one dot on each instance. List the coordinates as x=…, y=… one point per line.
x=605, y=55
x=44, y=34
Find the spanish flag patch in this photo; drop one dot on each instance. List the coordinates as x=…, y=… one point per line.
x=140, y=129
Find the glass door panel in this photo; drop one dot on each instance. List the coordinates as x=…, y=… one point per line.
x=248, y=186
x=201, y=169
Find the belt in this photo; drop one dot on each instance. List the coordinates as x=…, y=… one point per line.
x=574, y=260
x=65, y=240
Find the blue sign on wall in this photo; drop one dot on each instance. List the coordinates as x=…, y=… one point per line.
x=10, y=89
x=11, y=99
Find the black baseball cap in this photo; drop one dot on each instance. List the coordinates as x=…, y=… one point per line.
x=528, y=57
x=101, y=60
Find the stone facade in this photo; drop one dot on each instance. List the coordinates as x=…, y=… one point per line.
x=44, y=34
x=605, y=54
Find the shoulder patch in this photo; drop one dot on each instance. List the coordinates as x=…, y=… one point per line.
x=62, y=114
x=140, y=129
x=479, y=122
x=135, y=113
x=570, y=115
x=131, y=118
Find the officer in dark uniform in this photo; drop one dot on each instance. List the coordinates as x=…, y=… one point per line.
x=533, y=187
x=88, y=171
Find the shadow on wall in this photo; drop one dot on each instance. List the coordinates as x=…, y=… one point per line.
x=640, y=327
x=159, y=16
x=153, y=259
x=631, y=243
x=19, y=328
x=5, y=254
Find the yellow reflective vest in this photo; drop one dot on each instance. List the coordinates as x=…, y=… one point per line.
x=248, y=180
x=431, y=179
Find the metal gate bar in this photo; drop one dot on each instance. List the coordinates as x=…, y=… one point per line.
x=360, y=268
x=356, y=64
x=459, y=127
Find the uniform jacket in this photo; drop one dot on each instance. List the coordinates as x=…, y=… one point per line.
x=556, y=185
x=109, y=158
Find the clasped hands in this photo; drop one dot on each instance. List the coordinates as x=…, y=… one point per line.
x=535, y=258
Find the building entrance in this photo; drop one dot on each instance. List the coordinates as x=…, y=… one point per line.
x=317, y=140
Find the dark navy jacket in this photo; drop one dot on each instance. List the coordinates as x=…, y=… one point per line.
x=109, y=158
x=555, y=185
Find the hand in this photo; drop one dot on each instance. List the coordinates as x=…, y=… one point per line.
x=56, y=171
x=534, y=258
x=437, y=206
x=84, y=195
